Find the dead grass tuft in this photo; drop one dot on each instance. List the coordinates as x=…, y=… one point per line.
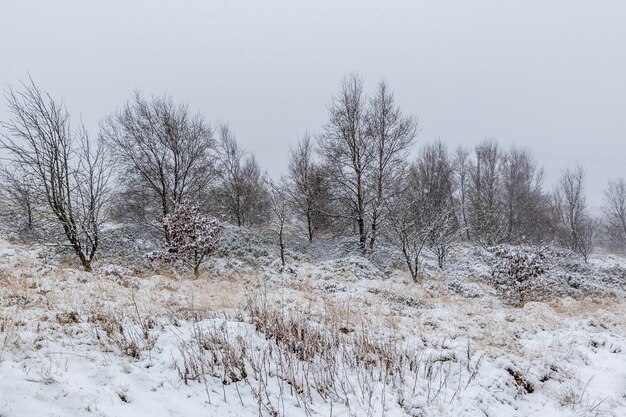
x=320, y=358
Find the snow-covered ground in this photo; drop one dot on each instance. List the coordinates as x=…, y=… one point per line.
x=334, y=337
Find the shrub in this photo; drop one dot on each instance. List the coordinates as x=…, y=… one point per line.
x=190, y=237
x=515, y=271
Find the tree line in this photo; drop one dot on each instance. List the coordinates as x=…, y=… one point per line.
x=360, y=175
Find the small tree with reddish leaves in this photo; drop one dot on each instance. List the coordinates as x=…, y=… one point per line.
x=191, y=237
x=515, y=271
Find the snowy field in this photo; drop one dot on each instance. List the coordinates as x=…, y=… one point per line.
x=341, y=336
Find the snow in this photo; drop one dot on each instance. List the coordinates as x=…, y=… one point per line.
x=114, y=343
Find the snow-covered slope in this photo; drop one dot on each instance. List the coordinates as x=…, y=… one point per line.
x=338, y=337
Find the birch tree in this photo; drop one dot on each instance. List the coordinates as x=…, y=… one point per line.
x=19, y=191
x=614, y=210
x=279, y=207
x=240, y=190
x=486, y=207
x=524, y=201
x=161, y=147
x=307, y=188
x=575, y=226
x=410, y=229
x=68, y=170
x=392, y=135
x=461, y=172
x=348, y=152
x=431, y=180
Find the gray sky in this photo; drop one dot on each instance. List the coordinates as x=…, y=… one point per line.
x=549, y=75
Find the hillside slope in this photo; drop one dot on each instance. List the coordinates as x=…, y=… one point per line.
x=326, y=337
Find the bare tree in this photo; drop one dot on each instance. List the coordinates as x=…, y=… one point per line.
x=256, y=199
x=444, y=233
x=392, y=135
x=526, y=217
x=461, y=170
x=240, y=188
x=575, y=227
x=308, y=191
x=431, y=180
x=19, y=191
x=161, y=147
x=411, y=229
x=486, y=208
x=231, y=158
x=132, y=203
x=587, y=237
x=279, y=206
x=68, y=171
x=348, y=151
x=614, y=209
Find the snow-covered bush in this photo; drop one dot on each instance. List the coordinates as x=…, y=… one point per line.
x=190, y=237
x=517, y=266
x=349, y=268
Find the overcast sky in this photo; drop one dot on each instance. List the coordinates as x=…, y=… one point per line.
x=549, y=75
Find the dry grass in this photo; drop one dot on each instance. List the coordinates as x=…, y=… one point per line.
x=306, y=360
x=10, y=330
x=129, y=335
x=574, y=396
x=360, y=344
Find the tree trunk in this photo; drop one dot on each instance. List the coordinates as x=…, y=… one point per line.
x=310, y=226
x=360, y=209
x=464, y=214
x=415, y=271
x=282, y=246
x=84, y=260
x=374, y=229
x=196, y=272
x=86, y=264
x=31, y=227
x=362, y=234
